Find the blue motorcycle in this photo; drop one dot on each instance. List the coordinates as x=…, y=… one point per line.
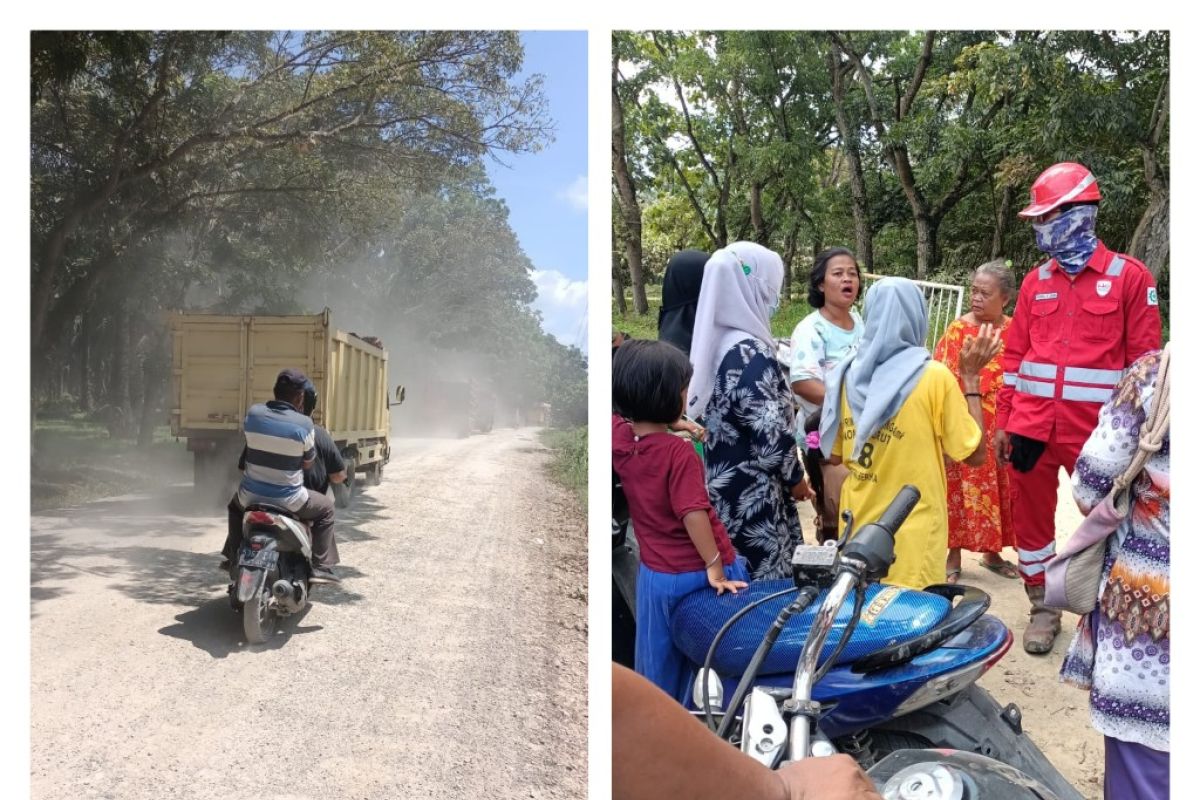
x=896, y=678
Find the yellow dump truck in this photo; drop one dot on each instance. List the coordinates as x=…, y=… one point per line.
x=223, y=364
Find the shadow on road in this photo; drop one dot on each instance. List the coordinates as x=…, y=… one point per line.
x=216, y=629
x=127, y=513
x=95, y=539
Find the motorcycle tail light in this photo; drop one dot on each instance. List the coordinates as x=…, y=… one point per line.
x=261, y=518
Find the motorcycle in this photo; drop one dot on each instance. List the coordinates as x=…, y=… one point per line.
x=888, y=677
x=272, y=572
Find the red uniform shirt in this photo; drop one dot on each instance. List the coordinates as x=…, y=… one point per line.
x=1069, y=342
x=663, y=480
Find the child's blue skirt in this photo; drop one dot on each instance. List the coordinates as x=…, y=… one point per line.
x=655, y=655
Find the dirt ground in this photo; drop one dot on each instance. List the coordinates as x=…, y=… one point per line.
x=1053, y=714
x=450, y=663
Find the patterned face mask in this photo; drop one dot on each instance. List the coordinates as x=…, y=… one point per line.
x=1070, y=238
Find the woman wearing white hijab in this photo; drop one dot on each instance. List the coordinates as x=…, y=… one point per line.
x=741, y=391
x=891, y=412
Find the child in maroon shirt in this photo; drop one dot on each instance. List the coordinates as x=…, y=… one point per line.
x=684, y=547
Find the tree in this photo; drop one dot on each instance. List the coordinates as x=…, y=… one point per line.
x=259, y=172
x=631, y=214
x=414, y=103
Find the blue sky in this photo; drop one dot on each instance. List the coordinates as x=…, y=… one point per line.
x=546, y=192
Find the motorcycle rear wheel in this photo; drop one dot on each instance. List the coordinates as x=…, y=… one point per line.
x=258, y=620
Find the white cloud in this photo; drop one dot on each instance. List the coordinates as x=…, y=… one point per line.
x=577, y=193
x=563, y=303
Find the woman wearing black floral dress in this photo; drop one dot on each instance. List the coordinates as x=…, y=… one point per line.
x=740, y=389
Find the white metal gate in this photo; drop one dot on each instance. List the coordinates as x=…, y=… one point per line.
x=943, y=301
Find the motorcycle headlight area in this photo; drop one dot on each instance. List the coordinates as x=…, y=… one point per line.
x=942, y=687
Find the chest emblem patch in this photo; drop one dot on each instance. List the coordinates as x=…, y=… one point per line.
x=1103, y=287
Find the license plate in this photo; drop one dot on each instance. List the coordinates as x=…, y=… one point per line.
x=258, y=558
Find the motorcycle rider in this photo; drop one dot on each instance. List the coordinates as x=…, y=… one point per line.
x=1081, y=318
x=280, y=444
x=329, y=467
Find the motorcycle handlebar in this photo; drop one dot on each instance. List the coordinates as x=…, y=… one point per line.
x=899, y=509
x=874, y=545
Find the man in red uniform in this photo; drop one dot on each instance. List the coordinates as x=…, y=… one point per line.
x=1081, y=318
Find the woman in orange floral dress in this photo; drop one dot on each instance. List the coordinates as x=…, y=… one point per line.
x=978, y=497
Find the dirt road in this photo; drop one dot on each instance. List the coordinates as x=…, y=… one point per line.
x=451, y=663
x=1054, y=715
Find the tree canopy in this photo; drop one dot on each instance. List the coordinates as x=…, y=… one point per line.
x=914, y=149
x=271, y=172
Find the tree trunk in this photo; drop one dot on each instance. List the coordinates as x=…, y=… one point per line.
x=618, y=279
x=927, y=230
x=858, y=185
x=154, y=380
x=85, y=370
x=1151, y=243
x=789, y=259
x=1001, y=226
x=627, y=198
x=756, y=214
x=118, y=385
x=134, y=390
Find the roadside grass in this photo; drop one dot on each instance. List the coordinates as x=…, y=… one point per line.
x=74, y=460
x=569, y=463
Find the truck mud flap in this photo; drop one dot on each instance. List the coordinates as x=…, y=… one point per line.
x=973, y=721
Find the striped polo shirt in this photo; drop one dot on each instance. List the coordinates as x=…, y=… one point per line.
x=279, y=439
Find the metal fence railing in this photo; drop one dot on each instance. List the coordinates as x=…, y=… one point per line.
x=943, y=300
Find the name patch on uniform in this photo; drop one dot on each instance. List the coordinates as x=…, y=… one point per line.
x=1151, y=296
x=1046, y=296
x=1103, y=287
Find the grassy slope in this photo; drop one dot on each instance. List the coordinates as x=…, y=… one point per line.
x=570, y=461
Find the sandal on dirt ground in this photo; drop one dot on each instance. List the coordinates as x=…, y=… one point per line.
x=1003, y=568
x=952, y=575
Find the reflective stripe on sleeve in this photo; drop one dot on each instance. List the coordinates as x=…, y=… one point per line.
x=1035, y=388
x=1034, y=369
x=1010, y=379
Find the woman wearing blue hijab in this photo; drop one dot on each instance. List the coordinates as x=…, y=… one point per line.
x=891, y=413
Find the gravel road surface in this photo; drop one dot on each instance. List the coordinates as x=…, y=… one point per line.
x=451, y=663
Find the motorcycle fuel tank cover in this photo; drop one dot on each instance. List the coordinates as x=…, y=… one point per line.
x=890, y=615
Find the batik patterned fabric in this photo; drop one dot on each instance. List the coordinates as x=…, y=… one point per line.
x=1070, y=237
x=752, y=461
x=979, y=498
x=1121, y=651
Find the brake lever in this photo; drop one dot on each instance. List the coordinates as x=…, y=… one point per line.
x=848, y=518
